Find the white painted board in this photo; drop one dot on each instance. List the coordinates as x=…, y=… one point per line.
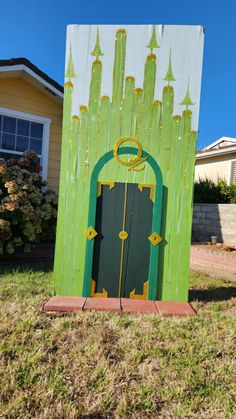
x=185, y=42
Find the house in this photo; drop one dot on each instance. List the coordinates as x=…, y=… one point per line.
x=31, y=106
x=218, y=160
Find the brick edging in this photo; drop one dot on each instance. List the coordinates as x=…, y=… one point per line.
x=213, y=258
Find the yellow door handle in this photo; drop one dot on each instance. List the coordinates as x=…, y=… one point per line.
x=123, y=235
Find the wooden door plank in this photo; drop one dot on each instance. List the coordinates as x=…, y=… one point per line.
x=107, y=244
x=137, y=246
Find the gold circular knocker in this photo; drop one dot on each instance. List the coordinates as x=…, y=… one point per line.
x=123, y=235
x=134, y=161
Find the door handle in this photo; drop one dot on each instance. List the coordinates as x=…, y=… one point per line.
x=155, y=238
x=123, y=235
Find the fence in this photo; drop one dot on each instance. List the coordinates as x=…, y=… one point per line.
x=214, y=220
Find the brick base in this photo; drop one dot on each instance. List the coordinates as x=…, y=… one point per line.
x=64, y=304
x=166, y=308
x=73, y=304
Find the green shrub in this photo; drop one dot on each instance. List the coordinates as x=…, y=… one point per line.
x=207, y=191
x=28, y=210
x=230, y=190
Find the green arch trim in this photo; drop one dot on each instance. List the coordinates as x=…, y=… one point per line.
x=156, y=220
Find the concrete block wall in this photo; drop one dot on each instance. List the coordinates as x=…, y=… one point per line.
x=214, y=220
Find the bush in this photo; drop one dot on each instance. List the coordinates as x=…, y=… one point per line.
x=207, y=191
x=28, y=210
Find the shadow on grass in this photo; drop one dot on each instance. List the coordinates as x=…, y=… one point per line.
x=26, y=267
x=96, y=416
x=212, y=294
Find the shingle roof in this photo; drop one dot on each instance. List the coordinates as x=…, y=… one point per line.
x=34, y=68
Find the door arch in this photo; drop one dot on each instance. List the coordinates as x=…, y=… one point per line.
x=156, y=220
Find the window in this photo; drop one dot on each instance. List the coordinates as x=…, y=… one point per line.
x=20, y=132
x=233, y=171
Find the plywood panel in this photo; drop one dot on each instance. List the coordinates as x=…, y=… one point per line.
x=142, y=83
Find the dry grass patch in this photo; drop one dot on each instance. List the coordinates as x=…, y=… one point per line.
x=94, y=365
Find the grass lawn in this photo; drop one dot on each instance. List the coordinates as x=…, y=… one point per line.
x=94, y=365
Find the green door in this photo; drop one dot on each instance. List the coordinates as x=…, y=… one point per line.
x=124, y=236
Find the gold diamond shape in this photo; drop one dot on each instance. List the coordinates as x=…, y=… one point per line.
x=155, y=238
x=90, y=233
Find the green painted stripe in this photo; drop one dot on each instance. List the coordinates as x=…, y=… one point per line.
x=119, y=68
x=95, y=87
x=93, y=114
x=74, y=200
x=138, y=106
x=104, y=127
x=183, y=230
x=164, y=156
x=126, y=122
x=84, y=139
x=127, y=107
x=148, y=96
x=173, y=221
x=168, y=104
x=171, y=282
x=149, y=79
x=118, y=83
x=155, y=129
x=61, y=218
x=83, y=197
x=105, y=124
x=187, y=215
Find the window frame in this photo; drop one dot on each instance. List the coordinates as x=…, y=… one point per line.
x=231, y=170
x=46, y=122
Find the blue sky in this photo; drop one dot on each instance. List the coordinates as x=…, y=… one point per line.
x=36, y=30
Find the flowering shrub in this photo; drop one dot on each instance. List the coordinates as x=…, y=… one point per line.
x=28, y=210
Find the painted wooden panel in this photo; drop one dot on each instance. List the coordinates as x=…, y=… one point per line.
x=121, y=253
x=138, y=224
x=107, y=244
x=131, y=109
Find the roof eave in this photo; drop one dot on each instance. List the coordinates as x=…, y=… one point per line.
x=49, y=87
x=213, y=153
x=219, y=141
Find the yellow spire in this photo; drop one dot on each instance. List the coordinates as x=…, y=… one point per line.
x=153, y=41
x=187, y=99
x=169, y=75
x=97, y=49
x=70, y=71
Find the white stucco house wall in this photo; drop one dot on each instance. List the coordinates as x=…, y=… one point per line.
x=218, y=160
